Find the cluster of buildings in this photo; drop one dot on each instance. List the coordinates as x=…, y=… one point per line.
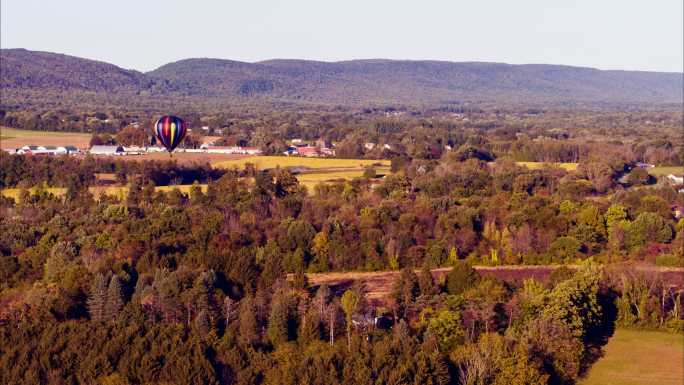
x=43, y=150
x=205, y=148
x=319, y=148
x=210, y=149
x=371, y=145
x=674, y=179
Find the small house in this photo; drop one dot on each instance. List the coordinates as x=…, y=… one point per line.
x=676, y=179
x=251, y=150
x=643, y=165
x=107, y=150
x=27, y=149
x=134, y=150
x=308, y=151
x=677, y=212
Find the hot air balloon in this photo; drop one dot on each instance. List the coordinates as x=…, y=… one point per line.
x=170, y=131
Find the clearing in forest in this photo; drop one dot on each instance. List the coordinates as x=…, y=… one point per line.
x=264, y=162
x=540, y=165
x=637, y=357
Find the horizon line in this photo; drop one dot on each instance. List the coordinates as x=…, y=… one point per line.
x=346, y=61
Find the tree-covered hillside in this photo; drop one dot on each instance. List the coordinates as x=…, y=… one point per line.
x=26, y=74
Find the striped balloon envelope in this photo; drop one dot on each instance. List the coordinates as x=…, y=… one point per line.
x=170, y=131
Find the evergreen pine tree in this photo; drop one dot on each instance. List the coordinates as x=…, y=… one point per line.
x=278, y=320
x=247, y=321
x=202, y=322
x=97, y=298
x=114, y=302
x=426, y=282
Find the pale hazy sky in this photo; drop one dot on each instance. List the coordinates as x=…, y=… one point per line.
x=144, y=34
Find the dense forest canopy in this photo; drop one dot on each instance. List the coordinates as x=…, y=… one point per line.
x=211, y=283
x=172, y=287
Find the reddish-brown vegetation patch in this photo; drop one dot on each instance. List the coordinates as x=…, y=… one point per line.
x=379, y=284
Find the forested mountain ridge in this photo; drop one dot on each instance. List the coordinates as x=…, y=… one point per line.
x=23, y=69
x=351, y=83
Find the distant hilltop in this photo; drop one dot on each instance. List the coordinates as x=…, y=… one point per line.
x=50, y=78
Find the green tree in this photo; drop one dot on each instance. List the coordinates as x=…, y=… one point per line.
x=405, y=290
x=426, y=282
x=565, y=249
x=647, y=227
x=350, y=304
x=615, y=214
x=279, y=320
x=461, y=277
x=445, y=325
x=369, y=172
x=575, y=301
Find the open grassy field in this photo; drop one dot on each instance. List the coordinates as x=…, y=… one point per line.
x=14, y=138
x=314, y=170
x=635, y=357
x=328, y=170
x=311, y=179
x=540, y=165
x=264, y=162
x=666, y=170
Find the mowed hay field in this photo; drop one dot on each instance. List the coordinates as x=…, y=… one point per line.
x=318, y=170
x=636, y=357
x=264, y=162
x=314, y=170
x=540, y=165
x=14, y=138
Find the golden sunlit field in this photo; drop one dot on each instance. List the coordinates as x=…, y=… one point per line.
x=263, y=162
x=540, y=165
x=666, y=170
x=14, y=138
x=636, y=357
x=310, y=180
x=316, y=170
